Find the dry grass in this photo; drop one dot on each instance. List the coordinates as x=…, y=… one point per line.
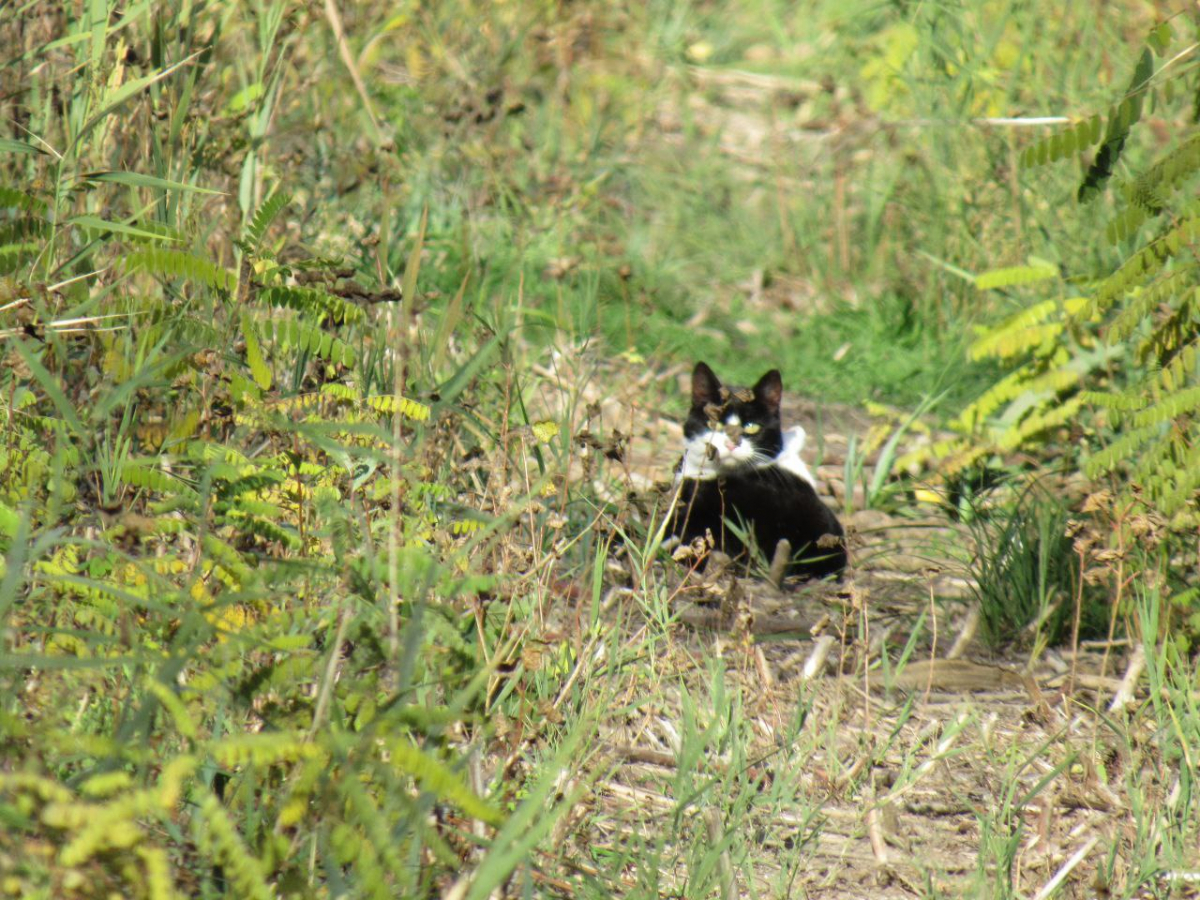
x=612, y=208
x=855, y=739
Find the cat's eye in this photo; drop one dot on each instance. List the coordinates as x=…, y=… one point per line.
x=752, y=428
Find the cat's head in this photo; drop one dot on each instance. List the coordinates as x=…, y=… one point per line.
x=728, y=427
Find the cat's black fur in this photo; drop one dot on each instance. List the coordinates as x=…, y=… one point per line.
x=753, y=492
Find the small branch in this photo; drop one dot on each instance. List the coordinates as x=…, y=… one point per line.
x=1133, y=671
x=339, y=33
x=816, y=660
x=716, y=834
x=779, y=564
x=966, y=634
x=1022, y=121
x=1076, y=858
x=335, y=653
x=875, y=833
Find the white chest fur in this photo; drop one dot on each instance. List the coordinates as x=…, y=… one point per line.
x=701, y=463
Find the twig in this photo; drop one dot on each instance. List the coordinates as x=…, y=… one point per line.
x=966, y=634
x=335, y=653
x=765, y=676
x=779, y=563
x=1022, y=121
x=1133, y=671
x=716, y=834
x=339, y=33
x=584, y=658
x=875, y=833
x=645, y=755
x=1076, y=858
x=816, y=660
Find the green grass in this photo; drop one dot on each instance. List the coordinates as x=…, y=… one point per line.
x=293, y=598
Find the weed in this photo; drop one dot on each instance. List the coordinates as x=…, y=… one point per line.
x=300, y=595
x=1026, y=571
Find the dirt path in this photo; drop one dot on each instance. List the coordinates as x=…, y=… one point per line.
x=909, y=766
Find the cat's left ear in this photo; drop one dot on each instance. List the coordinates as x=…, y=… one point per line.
x=769, y=390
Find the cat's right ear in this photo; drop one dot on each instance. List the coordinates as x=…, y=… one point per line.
x=706, y=388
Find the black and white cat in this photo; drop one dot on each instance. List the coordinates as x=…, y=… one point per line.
x=740, y=466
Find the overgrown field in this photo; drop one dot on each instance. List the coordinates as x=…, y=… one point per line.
x=341, y=350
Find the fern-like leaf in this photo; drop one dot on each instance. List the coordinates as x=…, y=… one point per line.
x=11, y=198
x=441, y=782
x=1120, y=120
x=269, y=531
x=23, y=229
x=1180, y=369
x=344, y=393
x=179, y=264
x=290, y=333
x=1149, y=190
x=253, y=483
x=1008, y=342
x=1169, y=407
x=13, y=256
x=142, y=476
x=313, y=302
x=1127, y=222
x=264, y=216
x=1120, y=402
x=1015, y=275
x=1145, y=301
x=1039, y=422
x=1141, y=266
x=1116, y=452
x=217, y=835
x=1071, y=140
x=259, y=370
x=389, y=403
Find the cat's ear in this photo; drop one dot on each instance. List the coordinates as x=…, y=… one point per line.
x=705, y=386
x=769, y=390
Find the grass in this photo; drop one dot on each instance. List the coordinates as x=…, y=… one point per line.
x=1030, y=573
x=308, y=590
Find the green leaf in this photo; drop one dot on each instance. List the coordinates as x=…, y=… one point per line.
x=450, y=319
x=1160, y=38
x=245, y=98
x=437, y=779
x=9, y=521
x=11, y=146
x=161, y=261
x=137, y=179
x=126, y=91
x=254, y=358
x=1120, y=121
x=313, y=302
x=51, y=386
x=9, y=197
x=143, y=476
x=1015, y=275
x=264, y=216
x=98, y=224
x=413, y=267
x=531, y=822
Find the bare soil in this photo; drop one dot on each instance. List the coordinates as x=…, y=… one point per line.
x=905, y=768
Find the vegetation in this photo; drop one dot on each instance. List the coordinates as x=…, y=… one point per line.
x=325, y=334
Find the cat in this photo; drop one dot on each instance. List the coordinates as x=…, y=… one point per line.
x=740, y=466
